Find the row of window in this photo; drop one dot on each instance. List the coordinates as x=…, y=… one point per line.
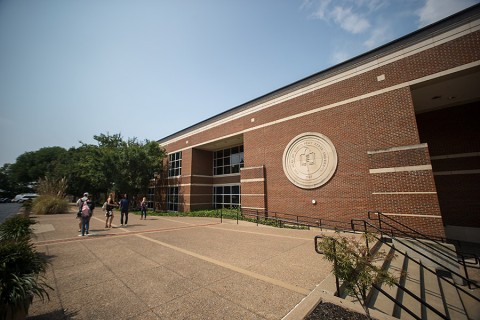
x=225, y=161
x=223, y=197
x=228, y=160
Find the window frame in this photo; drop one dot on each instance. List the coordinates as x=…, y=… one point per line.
x=223, y=163
x=172, y=198
x=175, y=164
x=223, y=196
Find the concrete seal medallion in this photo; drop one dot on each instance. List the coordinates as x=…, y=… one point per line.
x=309, y=160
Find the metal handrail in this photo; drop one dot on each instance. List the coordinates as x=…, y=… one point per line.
x=421, y=301
x=425, y=267
x=380, y=214
x=307, y=221
x=462, y=262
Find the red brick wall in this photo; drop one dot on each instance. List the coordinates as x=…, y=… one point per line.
x=253, y=188
x=370, y=124
x=451, y=132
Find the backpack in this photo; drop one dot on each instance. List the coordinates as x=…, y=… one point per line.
x=104, y=207
x=85, y=209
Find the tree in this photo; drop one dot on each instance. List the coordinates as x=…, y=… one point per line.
x=138, y=161
x=355, y=265
x=127, y=166
x=6, y=183
x=31, y=166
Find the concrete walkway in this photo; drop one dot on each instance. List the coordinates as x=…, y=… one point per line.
x=174, y=268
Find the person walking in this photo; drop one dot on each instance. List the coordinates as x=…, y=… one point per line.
x=79, y=214
x=86, y=207
x=124, y=210
x=109, y=211
x=143, y=209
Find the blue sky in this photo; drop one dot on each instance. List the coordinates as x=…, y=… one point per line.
x=73, y=69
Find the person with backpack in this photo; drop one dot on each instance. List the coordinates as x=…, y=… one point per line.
x=85, y=210
x=124, y=209
x=143, y=209
x=79, y=215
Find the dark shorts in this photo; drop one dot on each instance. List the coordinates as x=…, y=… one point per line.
x=108, y=214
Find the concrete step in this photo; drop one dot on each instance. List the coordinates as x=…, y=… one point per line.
x=472, y=306
x=393, y=263
x=410, y=280
x=431, y=294
x=444, y=297
x=452, y=302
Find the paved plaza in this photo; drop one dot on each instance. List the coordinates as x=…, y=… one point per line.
x=175, y=268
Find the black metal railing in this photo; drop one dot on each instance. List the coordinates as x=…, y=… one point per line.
x=282, y=219
x=367, y=225
x=386, y=227
x=380, y=238
x=398, y=303
x=460, y=257
x=377, y=287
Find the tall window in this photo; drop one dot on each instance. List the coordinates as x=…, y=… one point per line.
x=226, y=196
x=228, y=161
x=150, y=197
x=175, y=164
x=172, y=199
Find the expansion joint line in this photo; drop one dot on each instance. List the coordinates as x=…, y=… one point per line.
x=249, y=273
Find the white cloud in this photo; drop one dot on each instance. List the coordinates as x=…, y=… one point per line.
x=321, y=11
x=378, y=36
x=340, y=56
x=435, y=10
x=350, y=21
x=348, y=14
x=372, y=5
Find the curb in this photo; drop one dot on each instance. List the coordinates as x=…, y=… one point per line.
x=317, y=296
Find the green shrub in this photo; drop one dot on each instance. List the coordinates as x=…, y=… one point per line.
x=17, y=228
x=48, y=204
x=21, y=268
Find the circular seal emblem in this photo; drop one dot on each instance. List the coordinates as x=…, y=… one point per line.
x=309, y=160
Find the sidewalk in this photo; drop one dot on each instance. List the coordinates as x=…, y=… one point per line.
x=174, y=268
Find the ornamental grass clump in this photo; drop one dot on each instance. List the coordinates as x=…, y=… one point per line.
x=48, y=204
x=21, y=269
x=52, y=196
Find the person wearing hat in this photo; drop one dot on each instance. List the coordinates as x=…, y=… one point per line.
x=85, y=219
x=79, y=213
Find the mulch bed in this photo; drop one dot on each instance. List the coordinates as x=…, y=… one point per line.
x=326, y=310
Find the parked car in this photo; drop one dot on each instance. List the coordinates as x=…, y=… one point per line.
x=26, y=196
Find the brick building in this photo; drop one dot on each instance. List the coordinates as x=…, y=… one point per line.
x=395, y=129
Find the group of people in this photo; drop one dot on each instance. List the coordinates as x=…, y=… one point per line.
x=86, y=206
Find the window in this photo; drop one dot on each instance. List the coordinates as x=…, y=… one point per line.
x=172, y=199
x=228, y=161
x=226, y=196
x=150, y=197
x=175, y=164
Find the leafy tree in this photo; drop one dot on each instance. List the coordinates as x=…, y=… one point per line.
x=355, y=265
x=136, y=166
x=31, y=166
x=6, y=183
x=127, y=166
